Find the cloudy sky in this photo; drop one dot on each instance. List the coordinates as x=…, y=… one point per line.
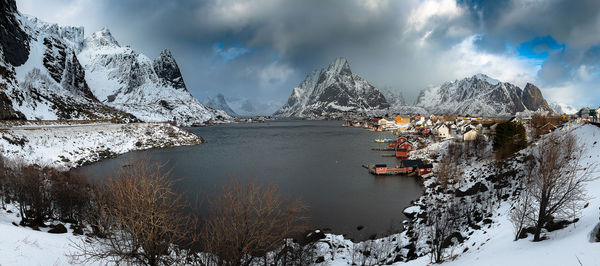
x=256, y=51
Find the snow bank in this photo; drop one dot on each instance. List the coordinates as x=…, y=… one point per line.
x=64, y=145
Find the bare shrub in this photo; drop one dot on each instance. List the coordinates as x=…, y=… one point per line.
x=448, y=171
x=248, y=220
x=442, y=224
x=141, y=217
x=28, y=188
x=71, y=195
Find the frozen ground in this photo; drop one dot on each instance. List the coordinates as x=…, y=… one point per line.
x=64, y=145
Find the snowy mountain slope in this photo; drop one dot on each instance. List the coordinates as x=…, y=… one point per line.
x=562, y=108
x=484, y=96
x=573, y=245
x=53, y=72
x=48, y=82
x=219, y=103
x=393, y=97
x=332, y=91
x=152, y=90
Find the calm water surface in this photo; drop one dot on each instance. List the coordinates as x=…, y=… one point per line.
x=319, y=161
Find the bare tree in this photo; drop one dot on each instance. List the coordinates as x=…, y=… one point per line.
x=248, y=220
x=442, y=223
x=447, y=171
x=521, y=214
x=557, y=181
x=142, y=217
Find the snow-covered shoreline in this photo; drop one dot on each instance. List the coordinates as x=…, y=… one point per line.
x=67, y=145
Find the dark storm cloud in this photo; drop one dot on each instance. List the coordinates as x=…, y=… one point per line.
x=261, y=49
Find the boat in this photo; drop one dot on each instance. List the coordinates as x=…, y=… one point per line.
x=383, y=140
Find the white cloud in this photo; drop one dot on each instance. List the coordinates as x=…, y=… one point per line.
x=464, y=59
x=64, y=12
x=274, y=75
x=428, y=10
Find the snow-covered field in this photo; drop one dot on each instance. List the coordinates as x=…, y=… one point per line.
x=65, y=145
x=24, y=246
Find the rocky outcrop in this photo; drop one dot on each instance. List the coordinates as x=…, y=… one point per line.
x=14, y=42
x=168, y=71
x=534, y=100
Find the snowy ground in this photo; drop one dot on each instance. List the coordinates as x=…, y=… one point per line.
x=25, y=246
x=64, y=145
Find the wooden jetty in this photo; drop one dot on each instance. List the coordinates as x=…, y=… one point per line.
x=383, y=149
x=406, y=167
x=382, y=169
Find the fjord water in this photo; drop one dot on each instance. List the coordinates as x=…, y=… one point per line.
x=319, y=161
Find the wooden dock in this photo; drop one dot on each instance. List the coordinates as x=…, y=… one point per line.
x=383, y=149
x=389, y=171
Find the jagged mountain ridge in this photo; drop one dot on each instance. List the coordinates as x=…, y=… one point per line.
x=53, y=72
x=483, y=96
x=152, y=90
x=332, y=91
x=44, y=79
x=219, y=103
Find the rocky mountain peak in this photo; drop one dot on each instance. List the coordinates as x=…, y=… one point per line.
x=219, y=103
x=486, y=78
x=103, y=37
x=332, y=91
x=534, y=100
x=167, y=69
x=482, y=95
x=339, y=66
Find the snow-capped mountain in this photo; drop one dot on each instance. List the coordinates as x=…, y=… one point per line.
x=393, y=97
x=41, y=75
x=562, y=108
x=219, y=103
x=332, y=91
x=152, y=90
x=483, y=96
x=52, y=72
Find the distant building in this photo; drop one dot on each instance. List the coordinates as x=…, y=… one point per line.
x=442, y=131
x=470, y=135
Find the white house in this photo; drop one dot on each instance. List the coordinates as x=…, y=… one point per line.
x=470, y=135
x=442, y=131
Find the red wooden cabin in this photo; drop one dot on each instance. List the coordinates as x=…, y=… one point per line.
x=403, y=149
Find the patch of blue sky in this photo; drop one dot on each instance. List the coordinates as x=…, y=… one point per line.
x=539, y=47
x=230, y=53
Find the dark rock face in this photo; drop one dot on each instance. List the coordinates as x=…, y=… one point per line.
x=533, y=99
x=166, y=68
x=65, y=69
x=6, y=110
x=13, y=40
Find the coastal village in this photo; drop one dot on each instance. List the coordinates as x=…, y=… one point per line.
x=415, y=132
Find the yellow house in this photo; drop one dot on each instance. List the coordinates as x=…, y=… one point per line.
x=402, y=120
